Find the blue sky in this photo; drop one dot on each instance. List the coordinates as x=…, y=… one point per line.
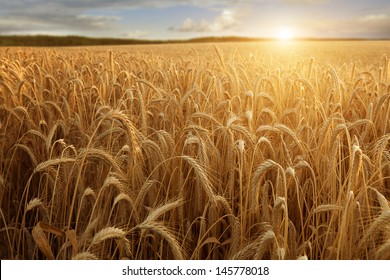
x=167, y=19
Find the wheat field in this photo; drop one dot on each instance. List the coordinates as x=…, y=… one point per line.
x=230, y=151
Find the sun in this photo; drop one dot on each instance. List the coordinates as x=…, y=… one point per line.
x=285, y=34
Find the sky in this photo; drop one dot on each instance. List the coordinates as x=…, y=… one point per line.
x=183, y=19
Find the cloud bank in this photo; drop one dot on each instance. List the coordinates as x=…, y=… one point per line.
x=74, y=16
x=227, y=20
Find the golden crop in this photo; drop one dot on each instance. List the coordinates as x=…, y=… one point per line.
x=246, y=151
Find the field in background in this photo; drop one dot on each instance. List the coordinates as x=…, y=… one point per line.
x=230, y=151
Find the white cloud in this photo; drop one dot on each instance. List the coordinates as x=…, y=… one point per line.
x=187, y=25
x=373, y=18
x=96, y=21
x=227, y=20
x=97, y=18
x=136, y=34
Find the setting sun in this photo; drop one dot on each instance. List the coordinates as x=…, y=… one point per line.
x=285, y=34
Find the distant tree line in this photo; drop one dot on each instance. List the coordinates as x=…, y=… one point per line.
x=53, y=41
x=57, y=41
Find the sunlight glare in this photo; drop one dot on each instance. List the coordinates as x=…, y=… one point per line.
x=285, y=34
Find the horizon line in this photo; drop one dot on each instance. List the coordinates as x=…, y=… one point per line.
x=20, y=40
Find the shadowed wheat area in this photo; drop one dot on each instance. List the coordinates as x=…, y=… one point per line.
x=245, y=151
